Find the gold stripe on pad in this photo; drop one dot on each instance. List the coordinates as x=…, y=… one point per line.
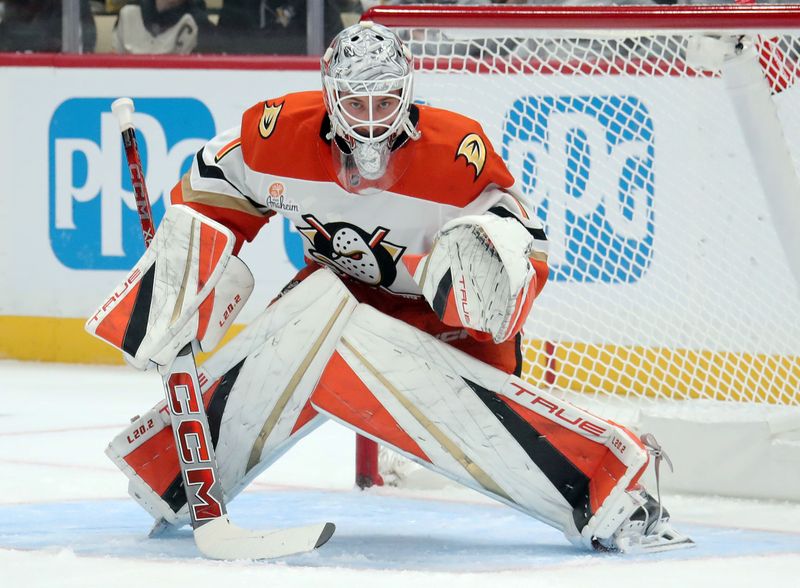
x=280, y=405
x=187, y=266
x=424, y=275
x=447, y=444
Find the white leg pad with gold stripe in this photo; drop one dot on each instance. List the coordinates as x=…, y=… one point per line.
x=284, y=353
x=265, y=377
x=475, y=424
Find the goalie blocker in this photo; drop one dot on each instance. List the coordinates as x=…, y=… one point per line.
x=187, y=286
x=309, y=357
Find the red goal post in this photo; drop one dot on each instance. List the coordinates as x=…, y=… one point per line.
x=660, y=145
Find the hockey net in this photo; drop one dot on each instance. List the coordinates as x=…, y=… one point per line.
x=660, y=147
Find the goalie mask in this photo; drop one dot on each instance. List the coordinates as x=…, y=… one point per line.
x=367, y=81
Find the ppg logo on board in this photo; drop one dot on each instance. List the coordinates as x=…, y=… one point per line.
x=93, y=219
x=586, y=163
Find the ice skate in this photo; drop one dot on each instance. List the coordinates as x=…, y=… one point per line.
x=648, y=529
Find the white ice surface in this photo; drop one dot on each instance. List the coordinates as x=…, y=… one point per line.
x=66, y=520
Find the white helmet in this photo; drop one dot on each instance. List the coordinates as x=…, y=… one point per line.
x=367, y=67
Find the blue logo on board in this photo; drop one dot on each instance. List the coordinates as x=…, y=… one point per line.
x=586, y=164
x=293, y=244
x=93, y=218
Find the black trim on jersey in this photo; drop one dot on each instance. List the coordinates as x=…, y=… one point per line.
x=212, y=171
x=137, y=325
x=442, y=291
x=175, y=494
x=503, y=212
x=570, y=482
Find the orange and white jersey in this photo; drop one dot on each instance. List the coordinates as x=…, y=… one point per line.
x=279, y=161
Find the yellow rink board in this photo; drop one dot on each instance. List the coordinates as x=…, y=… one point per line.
x=61, y=340
x=663, y=372
x=579, y=367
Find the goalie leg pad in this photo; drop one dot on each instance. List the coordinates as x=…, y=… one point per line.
x=257, y=401
x=478, y=425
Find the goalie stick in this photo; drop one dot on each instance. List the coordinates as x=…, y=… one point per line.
x=216, y=537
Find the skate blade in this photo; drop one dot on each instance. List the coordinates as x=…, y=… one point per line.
x=162, y=528
x=657, y=545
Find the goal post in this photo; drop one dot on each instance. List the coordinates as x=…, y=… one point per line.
x=660, y=146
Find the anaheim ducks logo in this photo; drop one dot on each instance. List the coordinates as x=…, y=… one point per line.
x=269, y=119
x=351, y=250
x=473, y=149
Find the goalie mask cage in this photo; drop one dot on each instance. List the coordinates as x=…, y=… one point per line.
x=660, y=147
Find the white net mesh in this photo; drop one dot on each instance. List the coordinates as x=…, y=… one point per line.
x=668, y=278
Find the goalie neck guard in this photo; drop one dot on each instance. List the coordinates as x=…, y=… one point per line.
x=367, y=77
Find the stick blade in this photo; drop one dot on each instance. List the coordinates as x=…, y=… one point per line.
x=221, y=539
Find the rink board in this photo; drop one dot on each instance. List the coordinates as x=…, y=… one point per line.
x=65, y=175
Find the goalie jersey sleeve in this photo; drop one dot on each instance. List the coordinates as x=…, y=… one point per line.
x=216, y=186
